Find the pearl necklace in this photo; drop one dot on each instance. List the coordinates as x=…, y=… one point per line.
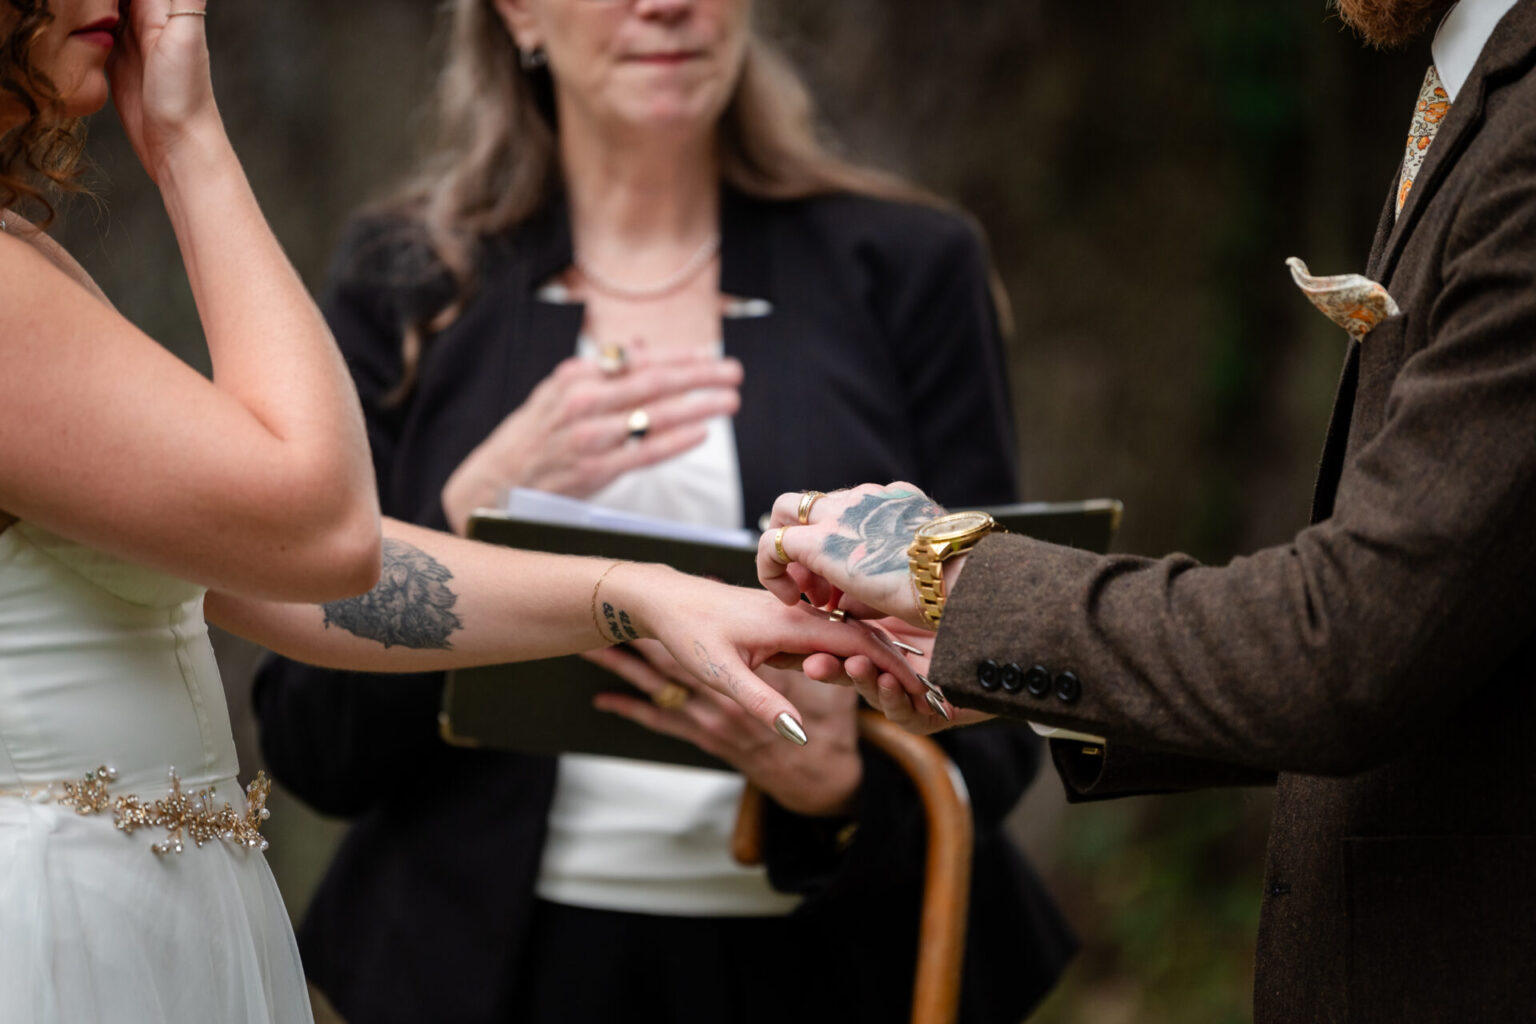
x=656, y=289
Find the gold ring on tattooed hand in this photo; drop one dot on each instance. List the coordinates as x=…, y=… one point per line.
x=778, y=546
x=807, y=499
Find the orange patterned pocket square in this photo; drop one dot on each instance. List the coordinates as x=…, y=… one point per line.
x=1354, y=302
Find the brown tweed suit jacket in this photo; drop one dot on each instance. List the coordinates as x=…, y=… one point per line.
x=1383, y=662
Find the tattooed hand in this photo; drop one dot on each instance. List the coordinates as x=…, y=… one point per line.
x=879, y=531
x=856, y=543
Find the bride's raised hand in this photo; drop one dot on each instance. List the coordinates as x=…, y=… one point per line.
x=160, y=80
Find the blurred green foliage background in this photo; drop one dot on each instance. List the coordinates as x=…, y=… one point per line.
x=1142, y=171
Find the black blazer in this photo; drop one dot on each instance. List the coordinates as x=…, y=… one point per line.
x=881, y=360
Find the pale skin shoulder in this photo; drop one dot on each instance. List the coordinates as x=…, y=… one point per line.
x=112, y=442
x=115, y=443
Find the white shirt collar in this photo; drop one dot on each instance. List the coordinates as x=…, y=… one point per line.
x=1461, y=38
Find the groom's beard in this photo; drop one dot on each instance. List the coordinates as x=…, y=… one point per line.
x=1390, y=23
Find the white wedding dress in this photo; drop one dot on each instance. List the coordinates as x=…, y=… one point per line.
x=103, y=663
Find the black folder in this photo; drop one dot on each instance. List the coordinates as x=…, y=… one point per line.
x=545, y=706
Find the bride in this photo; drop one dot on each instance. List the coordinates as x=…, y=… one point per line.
x=138, y=497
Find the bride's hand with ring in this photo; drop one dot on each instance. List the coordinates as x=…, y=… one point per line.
x=576, y=433
x=160, y=79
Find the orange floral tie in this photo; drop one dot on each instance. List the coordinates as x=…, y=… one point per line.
x=1432, y=107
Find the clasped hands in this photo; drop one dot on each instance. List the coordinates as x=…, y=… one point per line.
x=848, y=550
x=845, y=552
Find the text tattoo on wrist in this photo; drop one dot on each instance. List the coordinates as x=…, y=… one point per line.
x=882, y=526
x=410, y=607
x=619, y=625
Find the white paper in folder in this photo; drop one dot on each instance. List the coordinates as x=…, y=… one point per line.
x=542, y=507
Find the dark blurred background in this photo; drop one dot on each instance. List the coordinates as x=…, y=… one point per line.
x=1142, y=171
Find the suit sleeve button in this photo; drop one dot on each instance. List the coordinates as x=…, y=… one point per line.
x=1012, y=678
x=987, y=674
x=1037, y=681
x=1068, y=687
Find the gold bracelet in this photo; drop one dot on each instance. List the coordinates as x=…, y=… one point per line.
x=595, y=623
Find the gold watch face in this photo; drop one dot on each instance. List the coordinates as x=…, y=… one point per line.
x=953, y=526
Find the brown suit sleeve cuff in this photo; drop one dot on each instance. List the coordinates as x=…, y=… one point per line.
x=1102, y=773
x=993, y=609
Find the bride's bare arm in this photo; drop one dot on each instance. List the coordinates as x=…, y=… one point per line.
x=258, y=481
x=444, y=602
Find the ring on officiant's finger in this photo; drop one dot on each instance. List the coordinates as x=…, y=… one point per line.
x=807, y=499
x=612, y=360
x=778, y=546
x=195, y=14
x=638, y=424
x=671, y=696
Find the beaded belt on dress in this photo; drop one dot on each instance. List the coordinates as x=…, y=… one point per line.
x=183, y=816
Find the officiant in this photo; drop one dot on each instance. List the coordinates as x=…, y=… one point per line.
x=629, y=273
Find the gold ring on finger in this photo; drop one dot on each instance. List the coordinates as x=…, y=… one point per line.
x=807, y=499
x=612, y=360
x=778, y=546
x=638, y=424
x=671, y=696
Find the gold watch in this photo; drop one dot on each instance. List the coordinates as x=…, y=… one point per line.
x=934, y=543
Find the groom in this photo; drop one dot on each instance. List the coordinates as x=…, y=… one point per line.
x=1381, y=666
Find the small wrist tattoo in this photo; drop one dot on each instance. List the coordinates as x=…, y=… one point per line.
x=614, y=633
x=619, y=626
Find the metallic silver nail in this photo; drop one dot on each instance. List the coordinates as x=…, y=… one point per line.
x=937, y=703
x=906, y=647
x=789, y=728
x=933, y=687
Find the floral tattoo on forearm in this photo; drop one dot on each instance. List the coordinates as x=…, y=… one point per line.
x=410, y=606
x=881, y=527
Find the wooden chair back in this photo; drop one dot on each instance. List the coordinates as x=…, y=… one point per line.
x=946, y=890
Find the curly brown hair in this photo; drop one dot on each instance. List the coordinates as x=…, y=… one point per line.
x=40, y=157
